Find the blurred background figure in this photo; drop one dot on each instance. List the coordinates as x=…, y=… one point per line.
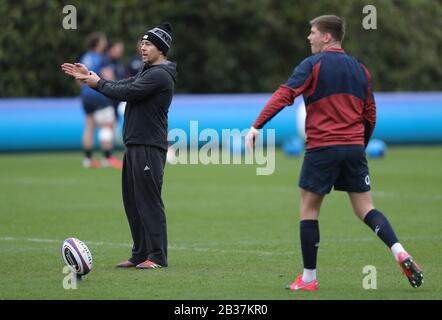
x=135, y=62
x=114, y=69
x=98, y=109
x=114, y=56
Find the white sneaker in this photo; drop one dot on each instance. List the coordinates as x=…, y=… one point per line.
x=91, y=163
x=111, y=162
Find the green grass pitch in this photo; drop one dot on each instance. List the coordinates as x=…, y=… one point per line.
x=232, y=234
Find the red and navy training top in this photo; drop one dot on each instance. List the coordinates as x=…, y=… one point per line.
x=338, y=98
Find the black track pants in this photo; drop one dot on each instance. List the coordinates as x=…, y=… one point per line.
x=143, y=169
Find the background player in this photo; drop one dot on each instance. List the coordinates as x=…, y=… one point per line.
x=98, y=108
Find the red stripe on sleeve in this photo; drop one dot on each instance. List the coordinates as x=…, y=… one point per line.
x=282, y=97
x=285, y=96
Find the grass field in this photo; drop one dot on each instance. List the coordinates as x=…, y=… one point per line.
x=232, y=234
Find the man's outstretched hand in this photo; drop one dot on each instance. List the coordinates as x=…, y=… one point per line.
x=75, y=69
x=80, y=72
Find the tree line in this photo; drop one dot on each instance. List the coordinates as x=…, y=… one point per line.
x=220, y=46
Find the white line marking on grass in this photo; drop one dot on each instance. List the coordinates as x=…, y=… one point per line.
x=39, y=181
x=97, y=243
x=216, y=250
x=401, y=195
x=127, y=245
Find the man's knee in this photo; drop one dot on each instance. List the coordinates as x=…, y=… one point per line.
x=311, y=199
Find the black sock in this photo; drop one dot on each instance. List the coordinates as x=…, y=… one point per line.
x=309, y=231
x=88, y=153
x=107, y=153
x=380, y=225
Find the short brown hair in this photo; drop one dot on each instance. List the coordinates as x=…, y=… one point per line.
x=332, y=24
x=94, y=38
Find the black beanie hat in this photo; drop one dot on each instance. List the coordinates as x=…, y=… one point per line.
x=160, y=36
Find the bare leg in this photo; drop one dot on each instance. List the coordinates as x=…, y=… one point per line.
x=310, y=205
x=361, y=202
x=88, y=133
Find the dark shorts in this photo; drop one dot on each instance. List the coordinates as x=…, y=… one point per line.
x=91, y=104
x=343, y=167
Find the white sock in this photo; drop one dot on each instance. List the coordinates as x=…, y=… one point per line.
x=309, y=275
x=396, y=248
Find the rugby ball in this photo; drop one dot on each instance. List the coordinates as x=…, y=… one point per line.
x=77, y=256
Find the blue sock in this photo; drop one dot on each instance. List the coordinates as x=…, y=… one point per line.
x=380, y=225
x=309, y=231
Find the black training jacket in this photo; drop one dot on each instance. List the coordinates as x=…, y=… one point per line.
x=148, y=95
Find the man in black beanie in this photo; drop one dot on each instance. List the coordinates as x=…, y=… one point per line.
x=160, y=37
x=148, y=95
